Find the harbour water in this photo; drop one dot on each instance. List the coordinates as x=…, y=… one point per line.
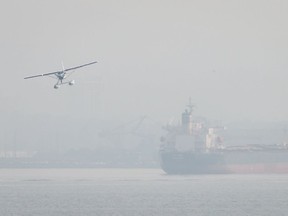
x=130, y=192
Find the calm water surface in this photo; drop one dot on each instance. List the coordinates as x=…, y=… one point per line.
x=55, y=192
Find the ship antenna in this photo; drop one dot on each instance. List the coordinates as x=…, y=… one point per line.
x=190, y=105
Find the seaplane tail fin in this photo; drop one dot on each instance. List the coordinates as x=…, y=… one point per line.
x=63, y=68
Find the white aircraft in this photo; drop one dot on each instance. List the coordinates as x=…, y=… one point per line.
x=61, y=75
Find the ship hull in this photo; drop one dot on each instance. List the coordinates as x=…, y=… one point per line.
x=192, y=163
x=224, y=162
x=273, y=161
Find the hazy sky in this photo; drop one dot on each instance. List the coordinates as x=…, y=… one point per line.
x=229, y=56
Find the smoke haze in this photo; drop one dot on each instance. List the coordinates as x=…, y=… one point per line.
x=230, y=57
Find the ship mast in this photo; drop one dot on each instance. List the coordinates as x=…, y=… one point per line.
x=187, y=123
x=190, y=105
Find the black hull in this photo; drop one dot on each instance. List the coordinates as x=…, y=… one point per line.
x=193, y=163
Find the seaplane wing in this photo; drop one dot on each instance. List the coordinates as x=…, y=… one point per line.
x=40, y=75
x=63, y=71
x=73, y=68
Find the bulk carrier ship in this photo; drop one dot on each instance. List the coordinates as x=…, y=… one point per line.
x=193, y=147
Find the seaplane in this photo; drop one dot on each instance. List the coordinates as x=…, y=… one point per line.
x=62, y=75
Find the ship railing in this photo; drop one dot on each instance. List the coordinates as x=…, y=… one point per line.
x=255, y=147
